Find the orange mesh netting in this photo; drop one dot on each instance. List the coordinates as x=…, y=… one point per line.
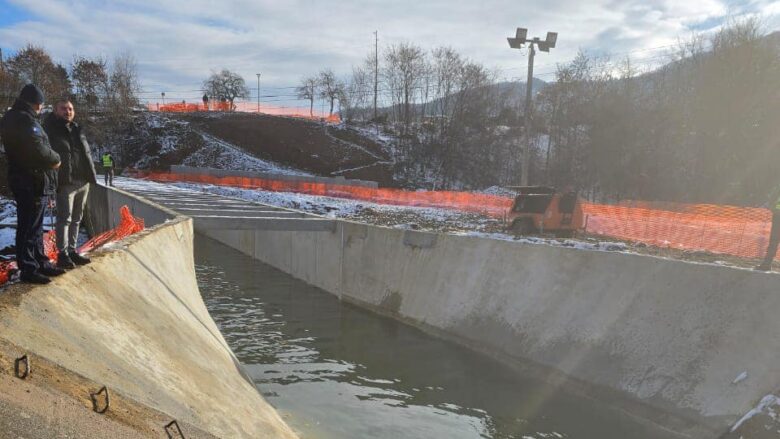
x=732, y=230
x=128, y=225
x=467, y=201
x=245, y=107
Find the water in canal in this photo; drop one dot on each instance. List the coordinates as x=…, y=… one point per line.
x=335, y=371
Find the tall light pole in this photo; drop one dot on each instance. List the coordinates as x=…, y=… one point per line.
x=376, y=71
x=258, y=92
x=163, y=97
x=517, y=43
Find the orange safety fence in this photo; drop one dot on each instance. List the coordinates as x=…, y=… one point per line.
x=730, y=230
x=243, y=107
x=466, y=201
x=128, y=225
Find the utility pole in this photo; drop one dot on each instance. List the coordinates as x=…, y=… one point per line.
x=376, y=71
x=258, y=92
x=545, y=46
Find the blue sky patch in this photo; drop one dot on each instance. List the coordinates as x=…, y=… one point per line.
x=11, y=14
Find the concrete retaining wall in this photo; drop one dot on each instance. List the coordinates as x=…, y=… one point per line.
x=671, y=334
x=270, y=176
x=135, y=321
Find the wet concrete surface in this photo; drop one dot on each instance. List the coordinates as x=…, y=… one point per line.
x=334, y=370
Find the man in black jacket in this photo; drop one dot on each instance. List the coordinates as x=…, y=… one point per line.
x=30, y=160
x=75, y=174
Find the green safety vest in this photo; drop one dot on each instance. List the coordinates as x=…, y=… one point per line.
x=777, y=204
x=107, y=161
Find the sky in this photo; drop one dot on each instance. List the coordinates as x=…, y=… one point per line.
x=178, y=43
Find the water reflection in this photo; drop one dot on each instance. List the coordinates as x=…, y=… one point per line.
x=336, y=371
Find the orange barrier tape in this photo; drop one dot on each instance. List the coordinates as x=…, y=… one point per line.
x=128, y=225
x=731, y=230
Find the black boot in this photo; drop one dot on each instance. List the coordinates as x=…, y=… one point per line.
x=79, y=259
x=50, y=270
x=64, y=261
x=34, y=277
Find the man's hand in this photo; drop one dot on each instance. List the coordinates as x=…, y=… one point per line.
x=57, y=166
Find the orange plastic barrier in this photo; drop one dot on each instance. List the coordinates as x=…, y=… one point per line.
x=731, y=230
x=128, y=225
x=466, y=201
x=245, y=107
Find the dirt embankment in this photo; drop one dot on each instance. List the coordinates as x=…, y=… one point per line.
x=301, y=144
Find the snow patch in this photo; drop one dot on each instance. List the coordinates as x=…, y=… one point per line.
x=766, y=406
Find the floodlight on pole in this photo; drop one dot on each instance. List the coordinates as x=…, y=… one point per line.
x=519, y=40
x=163, y=97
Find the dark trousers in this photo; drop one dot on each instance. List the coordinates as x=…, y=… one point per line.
x=774, y=238
x=108, y=176
x=30, y=255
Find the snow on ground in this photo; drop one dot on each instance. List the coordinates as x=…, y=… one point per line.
x=7, y=216
x=766, y=409
x=8, y=227
x=181, y=143
x=418, y=218
x=401, y=217
x=435, y=220
x=220, y=154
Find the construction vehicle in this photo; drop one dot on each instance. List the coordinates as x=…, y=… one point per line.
x=543, y=209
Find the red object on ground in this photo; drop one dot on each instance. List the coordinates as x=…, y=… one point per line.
x=128, y=225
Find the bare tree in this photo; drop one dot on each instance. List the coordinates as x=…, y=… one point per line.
x=404, y=68
x=226, y=85
x=308, y=90
x=123, y=88
x=358, y=91
x=34, y=65
x=329, y=87
x=91, y=82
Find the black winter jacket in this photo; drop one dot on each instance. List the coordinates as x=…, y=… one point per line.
x=30, y=157
x=67, y=139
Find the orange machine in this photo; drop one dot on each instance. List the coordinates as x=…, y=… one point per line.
x=541, y=209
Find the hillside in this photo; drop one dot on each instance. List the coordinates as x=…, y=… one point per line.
x=301, y=144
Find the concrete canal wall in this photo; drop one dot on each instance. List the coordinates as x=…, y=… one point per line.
x=134, y=321
x=673, y=335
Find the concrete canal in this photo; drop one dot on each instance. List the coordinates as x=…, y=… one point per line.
x=334, y=370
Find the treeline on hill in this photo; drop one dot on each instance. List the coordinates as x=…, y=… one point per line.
x=702, y=128
x=453, y=126
x=104, y=93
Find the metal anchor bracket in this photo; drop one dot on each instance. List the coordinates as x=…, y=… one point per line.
x=94, y=398
x=18, y=371
x=169, y=430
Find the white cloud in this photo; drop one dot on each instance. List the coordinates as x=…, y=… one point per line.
x=178, y=42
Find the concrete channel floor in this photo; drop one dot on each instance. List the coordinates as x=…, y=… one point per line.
x=211, y=211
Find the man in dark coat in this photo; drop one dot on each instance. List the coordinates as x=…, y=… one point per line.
x=30, y=161
x=73, y=179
